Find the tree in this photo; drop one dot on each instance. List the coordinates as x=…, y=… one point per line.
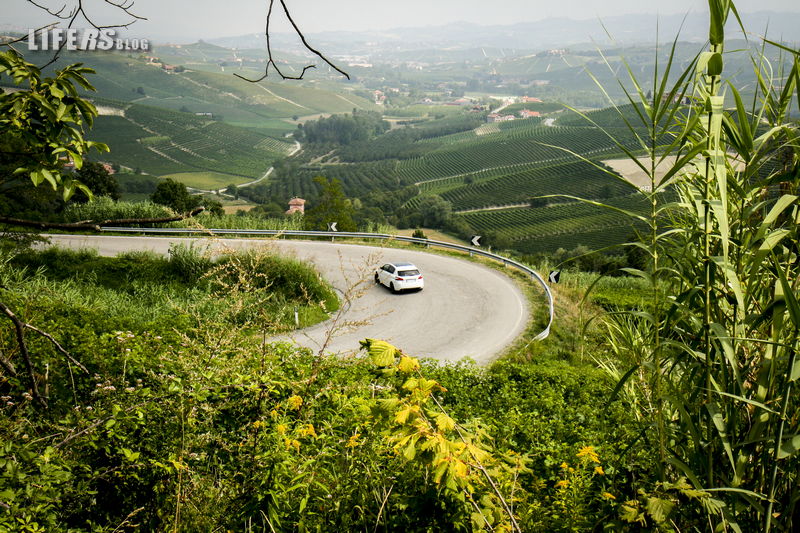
x=174, y=195
x=332, y=206
x=43, y=125
x=434, y=211
x=98, y=179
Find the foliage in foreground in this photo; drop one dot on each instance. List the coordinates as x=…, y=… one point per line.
x=712, y=363
x=184, y=422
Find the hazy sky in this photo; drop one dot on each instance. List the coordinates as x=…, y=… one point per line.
x=181, y=19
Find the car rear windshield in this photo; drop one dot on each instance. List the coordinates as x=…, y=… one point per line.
x=409, y=273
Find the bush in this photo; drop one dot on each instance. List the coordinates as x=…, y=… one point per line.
x=104, y=208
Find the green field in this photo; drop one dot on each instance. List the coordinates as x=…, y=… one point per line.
x=206, y=180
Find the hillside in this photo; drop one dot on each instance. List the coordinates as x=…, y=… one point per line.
x=161, y=142
x=479, y=169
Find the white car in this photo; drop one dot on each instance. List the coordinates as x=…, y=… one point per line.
x=399, y=276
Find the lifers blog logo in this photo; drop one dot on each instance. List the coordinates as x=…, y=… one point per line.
x=90, y=39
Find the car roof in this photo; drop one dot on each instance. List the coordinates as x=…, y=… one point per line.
x=404, y=265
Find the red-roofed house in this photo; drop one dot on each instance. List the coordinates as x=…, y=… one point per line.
x=296, y=205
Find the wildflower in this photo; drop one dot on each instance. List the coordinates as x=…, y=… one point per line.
x=281, y=429
x=27, y=396
x=563, y=484
x=257, y=424
x=564, y=466
x=294, y=402
x=308, y=431
x=588, y=451
x=273, y=414
x=352, y=442
x=609, y=496
x=599, y=470
x=292, y=443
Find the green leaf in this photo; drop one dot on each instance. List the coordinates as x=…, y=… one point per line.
x=55, y=91
x=629, y=513
x=719, y=423
x=789, y=447
x=37, y=177
x=714, y=67
x=411, y=451
x=381, y=353
x=659, y=509
x=444, y=422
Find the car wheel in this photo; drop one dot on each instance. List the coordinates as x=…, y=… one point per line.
x=391, y=288
x=376, y=278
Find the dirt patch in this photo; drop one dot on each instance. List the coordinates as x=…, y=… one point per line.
x=629, y=170
x=232, y=209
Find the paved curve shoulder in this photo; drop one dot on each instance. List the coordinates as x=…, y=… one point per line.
x=466, y=309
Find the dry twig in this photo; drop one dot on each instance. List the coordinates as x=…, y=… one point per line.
x=271, y=60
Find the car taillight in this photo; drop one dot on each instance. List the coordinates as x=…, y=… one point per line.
x=419, y=277
x=398, y=279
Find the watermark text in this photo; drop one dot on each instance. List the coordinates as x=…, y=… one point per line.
x=89, y=39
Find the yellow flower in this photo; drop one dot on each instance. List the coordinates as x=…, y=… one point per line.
x=292, y=443
x=599, y=470
x=281, y=429
x=588, y=451
x=273, y=414
x=258, y=423
x=562, y=484
x=352, y=442
x=609, y=496
x=564, y=466
x=308, y=431
x=294, y=402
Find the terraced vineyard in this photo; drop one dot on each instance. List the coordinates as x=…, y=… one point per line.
x=564, y=225
x=575, y=179
x=518, y=146
x=357, y=179
x=162, y=142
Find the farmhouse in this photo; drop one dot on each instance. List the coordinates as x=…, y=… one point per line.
x=296, y=205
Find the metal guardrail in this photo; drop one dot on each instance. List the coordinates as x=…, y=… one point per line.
x=358, y=235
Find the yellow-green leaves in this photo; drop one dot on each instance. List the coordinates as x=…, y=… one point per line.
x=408, y=364
x=381, y=353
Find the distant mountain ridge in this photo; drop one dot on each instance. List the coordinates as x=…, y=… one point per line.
x=547, y=33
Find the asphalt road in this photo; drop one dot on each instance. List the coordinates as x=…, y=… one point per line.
x=465, y=310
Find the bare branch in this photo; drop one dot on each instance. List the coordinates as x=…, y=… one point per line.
x=57, y=14
x=19, y=328
x=79, y=11
x=92, y=225
x=6, y=364
x=57, y=346
x=271, y=60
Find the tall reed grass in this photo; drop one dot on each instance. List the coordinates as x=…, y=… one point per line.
x=712, y=363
